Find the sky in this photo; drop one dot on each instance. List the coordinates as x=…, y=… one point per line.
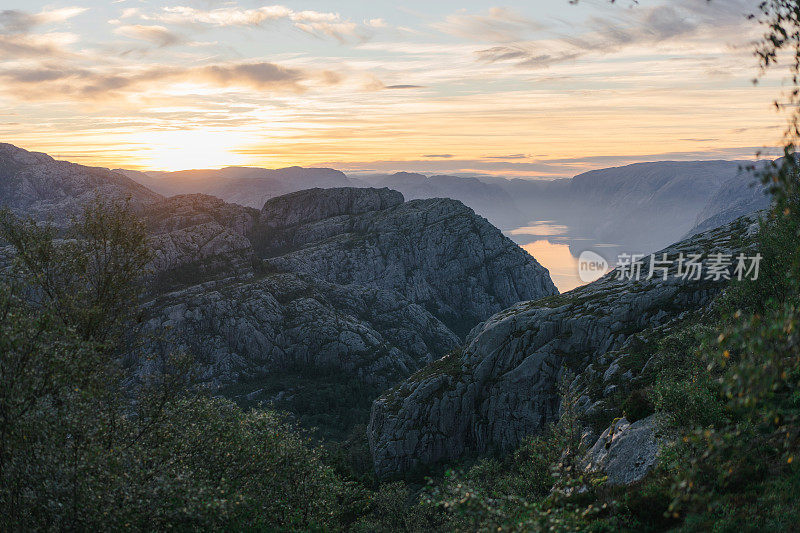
x=533, y=89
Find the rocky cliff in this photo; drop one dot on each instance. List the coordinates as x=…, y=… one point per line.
x=355, y=281
x=243, y=329
x=194, y=237
x=503, y=385
x=350, y=280
x=437, y=253
x=36, y=185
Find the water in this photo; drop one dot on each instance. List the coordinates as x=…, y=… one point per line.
x=557, y=249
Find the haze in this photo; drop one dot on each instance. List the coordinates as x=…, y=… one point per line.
x=536, y=89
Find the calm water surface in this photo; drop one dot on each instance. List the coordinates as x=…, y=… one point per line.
x=557, y=249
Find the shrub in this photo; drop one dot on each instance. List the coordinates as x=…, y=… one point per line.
x=638, y=405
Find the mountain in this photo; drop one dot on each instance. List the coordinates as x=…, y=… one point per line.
x=342, y=289
x=503, y=385
x=487, y=199
x=640, y=207
x=246, y=186
x=434, y=259
x=36, y=185
x=735, y=198
x=437, y=252
x=648, y=205
x=350, y=288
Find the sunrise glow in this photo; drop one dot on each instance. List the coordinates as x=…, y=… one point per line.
x=530, y=89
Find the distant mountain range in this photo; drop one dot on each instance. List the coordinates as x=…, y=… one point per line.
x=640, y=207
x=250, y=187
x=645, y=206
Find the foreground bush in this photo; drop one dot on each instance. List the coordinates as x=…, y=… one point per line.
x=86, y=444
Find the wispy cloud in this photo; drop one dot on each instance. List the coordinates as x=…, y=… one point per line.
x=529, y=56
x=499, y=25
x=158, y=35
x=48, y=82
x=15, y=22
x=17, y=39
x=316, y=23
x=509, y=156
x=404, y=86
x=227, y=16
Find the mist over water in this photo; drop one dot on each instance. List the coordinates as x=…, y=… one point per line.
x=557, y=248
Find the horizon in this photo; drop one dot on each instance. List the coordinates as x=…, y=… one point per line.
x=155, y=173
x=512, y=90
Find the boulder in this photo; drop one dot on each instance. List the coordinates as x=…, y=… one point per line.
x=625, y=452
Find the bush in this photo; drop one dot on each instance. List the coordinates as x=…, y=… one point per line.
x=87, y=445
x=638, y=405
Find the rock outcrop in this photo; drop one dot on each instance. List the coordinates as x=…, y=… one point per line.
x=503, y=386
x=347, y=280
x=312, y=205
x=36, y=185
x=626, y=452
x=354, y=281
x=437, y=253
x=197, y=236
x=242, y=329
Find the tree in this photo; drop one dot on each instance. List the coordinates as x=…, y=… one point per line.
x=86, y=444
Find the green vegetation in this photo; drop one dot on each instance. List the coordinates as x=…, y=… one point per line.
x=327, y=403
x=87, y=445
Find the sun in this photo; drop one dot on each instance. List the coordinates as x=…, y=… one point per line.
x=190, y=149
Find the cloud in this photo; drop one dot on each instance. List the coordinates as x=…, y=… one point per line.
x=325, y=24
x=227, y=16
x=499, y=25
x=404, y=86
x=17, y=40
x=439, y=156
x=502, y=53
x=681, y=19
x=47, y=45
x=524, y=56
x=15, y=22
x=258, y=75
x=316, y=23
x=510, y=156
x=665, y=22
x=52, y=81
x=155, y=34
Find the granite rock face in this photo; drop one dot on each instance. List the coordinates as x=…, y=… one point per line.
x=242, y=329
x=625, y=452
x=36, y=185
x=348, y=280
x=437, y=253
x=352, y=280
x=200, y=231
x=313, y=205
x=503, y=386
